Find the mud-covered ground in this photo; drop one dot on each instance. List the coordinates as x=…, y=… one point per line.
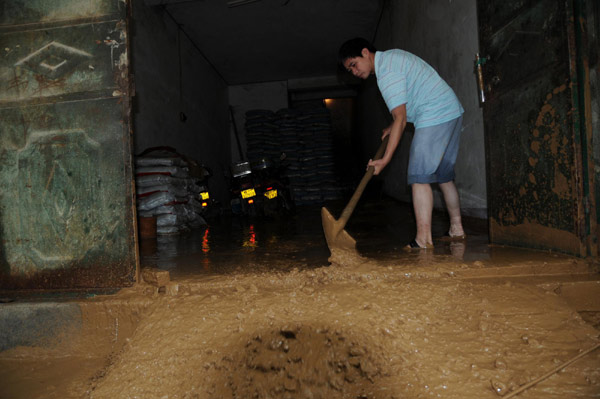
x=402, y=325
x=344, y=331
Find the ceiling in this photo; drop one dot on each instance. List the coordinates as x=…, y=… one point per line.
x=251, y=41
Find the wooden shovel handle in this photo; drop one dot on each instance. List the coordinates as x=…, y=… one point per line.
x=361, y=186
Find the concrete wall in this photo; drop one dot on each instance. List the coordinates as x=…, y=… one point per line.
x=272, y=96
x=445, y=35
x=161, y=97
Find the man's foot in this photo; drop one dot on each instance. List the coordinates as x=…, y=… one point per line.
x=454, y=237
x=415, y=245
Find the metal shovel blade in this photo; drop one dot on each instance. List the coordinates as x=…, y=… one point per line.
x=335, y=234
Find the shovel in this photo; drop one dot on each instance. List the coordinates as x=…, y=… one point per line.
x=336, y=236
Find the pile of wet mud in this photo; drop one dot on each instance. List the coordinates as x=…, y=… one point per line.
x=353, y=332
x=305, y=362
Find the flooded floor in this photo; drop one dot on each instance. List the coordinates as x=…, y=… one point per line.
x=255, y=309
x=381, y=228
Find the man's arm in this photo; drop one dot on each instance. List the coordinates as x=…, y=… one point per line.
x=395, y=131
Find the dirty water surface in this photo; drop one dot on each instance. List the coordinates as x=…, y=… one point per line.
x=266, y=312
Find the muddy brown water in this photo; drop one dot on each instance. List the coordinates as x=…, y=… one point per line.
x=260, y=310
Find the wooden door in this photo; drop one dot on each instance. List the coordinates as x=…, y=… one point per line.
x=67, y=216
x=537, y=144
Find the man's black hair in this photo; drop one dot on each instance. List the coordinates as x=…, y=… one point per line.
x=353, y=47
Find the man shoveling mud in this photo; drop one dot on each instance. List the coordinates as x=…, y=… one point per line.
x=414, y=92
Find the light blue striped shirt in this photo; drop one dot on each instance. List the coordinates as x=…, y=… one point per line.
x=404, y=78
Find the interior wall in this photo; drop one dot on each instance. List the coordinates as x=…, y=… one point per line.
x=344, y=138
x=180, y=100
x=592, y=12
x=445, y=35
x=271, y=96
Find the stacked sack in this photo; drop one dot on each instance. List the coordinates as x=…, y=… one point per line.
x=261, y=135
x=165, y=189
x=318, y=182
x=305, y=136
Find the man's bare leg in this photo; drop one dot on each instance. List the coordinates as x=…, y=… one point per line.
x=423, y=205
x=453, y=206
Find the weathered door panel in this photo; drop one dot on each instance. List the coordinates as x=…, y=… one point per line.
x=66, y=204
x=63, y=64
x=533, y=142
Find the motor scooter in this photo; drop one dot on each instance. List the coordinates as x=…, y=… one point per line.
x=273, y=186
x=244, y=198
x=210, y=207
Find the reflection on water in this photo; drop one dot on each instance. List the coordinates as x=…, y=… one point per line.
x=457, y=249
x=205, y=242
x=232, y=243
x=382, y=228
x=250, y=238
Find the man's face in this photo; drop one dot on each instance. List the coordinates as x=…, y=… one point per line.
x=360, y=67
